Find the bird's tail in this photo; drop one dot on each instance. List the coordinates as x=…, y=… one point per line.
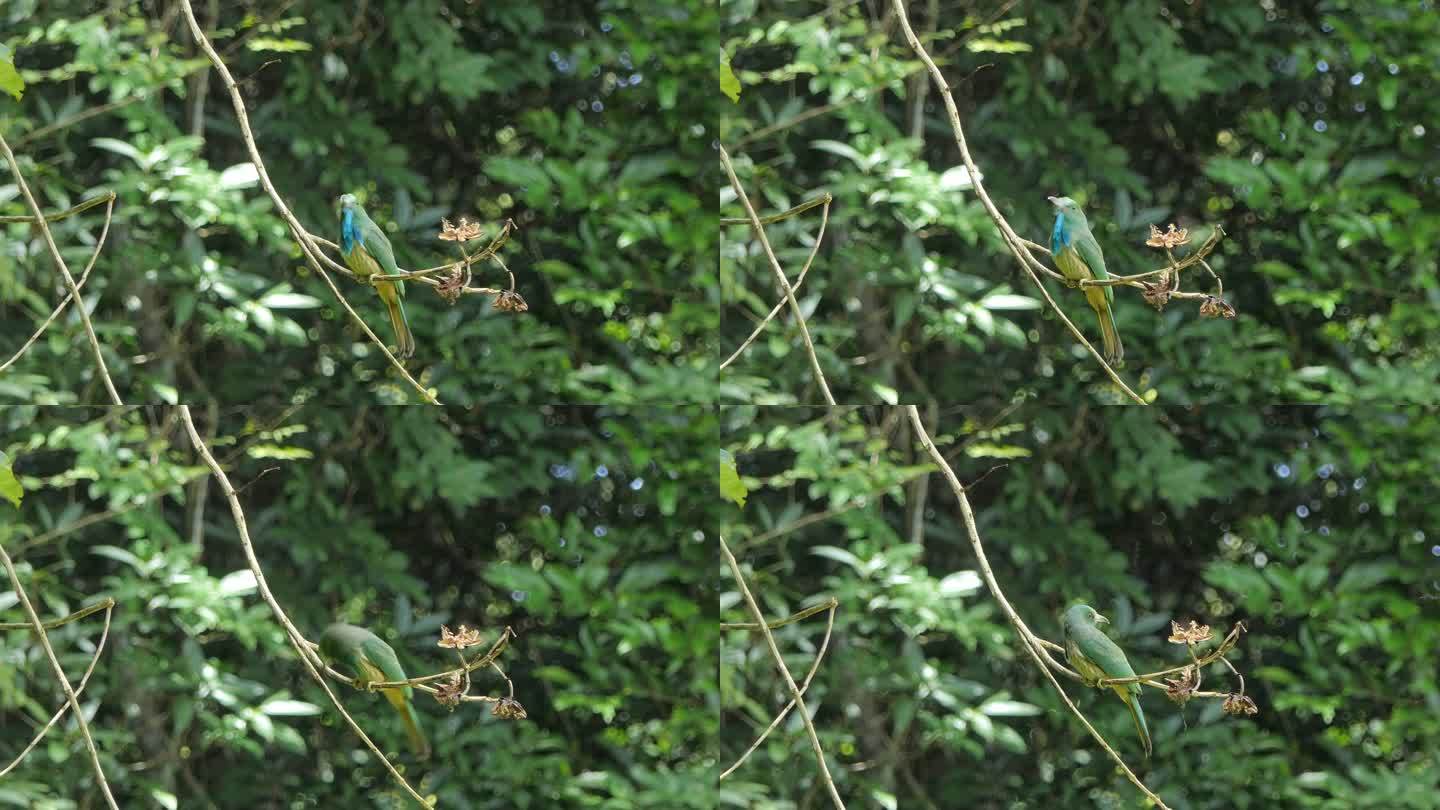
x=1114, y=351
x=404, y=341
x=401, y=702
x=1138, y=715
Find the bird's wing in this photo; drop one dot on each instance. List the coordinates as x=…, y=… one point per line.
x=379, y=655
x=1089, y=251
x=1108, y=656
x=376, y=242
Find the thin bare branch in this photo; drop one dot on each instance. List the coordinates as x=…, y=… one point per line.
x=828, y=605
x=795, y=692
x=39, y=628
x=819, y=238
x=39, y=219
x=109, y=199
x=779, y=275
x=107, y=605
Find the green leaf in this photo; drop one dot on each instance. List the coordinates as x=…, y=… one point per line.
x=238, y=582
x=1010, y=708
x=527, y=176
x=731, y=487
x=1363, y=170
x=10, y=488
x=241, y=175
x=1009, y=301
x=10, y=80
x=729, y=84
x=960, y=583
x=289, y=708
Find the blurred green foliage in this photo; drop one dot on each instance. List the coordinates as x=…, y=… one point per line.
x=568, y=119
x=1294, y=519
x=1304, y=129
x=582, y=528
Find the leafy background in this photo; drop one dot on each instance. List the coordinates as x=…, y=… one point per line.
x=583, y=528
x=1303, y=129
x=1298, y=520
x=568, y=119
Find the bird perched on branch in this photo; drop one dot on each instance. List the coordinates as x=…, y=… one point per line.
x=1095, y=656
x=1078, y=256
x=368, y=253
x=373, y=661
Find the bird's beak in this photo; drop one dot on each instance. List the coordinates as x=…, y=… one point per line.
x=1101, y=619
x=1053, y=200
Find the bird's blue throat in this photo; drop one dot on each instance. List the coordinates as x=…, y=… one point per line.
x=350, y=235
x=1061, y=236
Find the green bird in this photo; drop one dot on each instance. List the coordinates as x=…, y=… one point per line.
x=374, y=661
x=1078, y=256
x=1095, y=656
x=367, y=252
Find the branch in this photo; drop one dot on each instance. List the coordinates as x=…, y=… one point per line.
x=297, y=639
x=109, y=199
x=39, y=629
x=828, y=605
x=79, y=208
x=819, y=237
x=40, y=220
x=779, y=274
x=1013, y=241
x=107, y=605
x=302, y=236
x=795, y=693
x=1032, y=645
x=104, y=604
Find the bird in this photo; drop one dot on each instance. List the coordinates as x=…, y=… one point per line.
x=367, y=252
x=1095, y=656
x=1078, y=256
x=373, y=661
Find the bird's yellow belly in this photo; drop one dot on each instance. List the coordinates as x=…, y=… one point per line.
x=362, y=263
x=1071, y=265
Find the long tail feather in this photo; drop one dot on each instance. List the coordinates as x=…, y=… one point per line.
x=1138, y=715
x=418, y=743
x=1114, y=351
x=404, y=341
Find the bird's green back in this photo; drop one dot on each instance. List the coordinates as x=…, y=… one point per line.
x=375, y=241
x=361, y=651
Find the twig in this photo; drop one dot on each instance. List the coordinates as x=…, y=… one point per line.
x=79, y=208
x=109, y=199
x=1031, y=643
x=780, y=663
x=819, y=237
x=1012, y=239
x=828, y=605
x=107, y=605
x=302, y=236
x=779, y=275
x=297, y=639
x=824, y=199
x=40, y=220
x=39, y=628
x=104, y=604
